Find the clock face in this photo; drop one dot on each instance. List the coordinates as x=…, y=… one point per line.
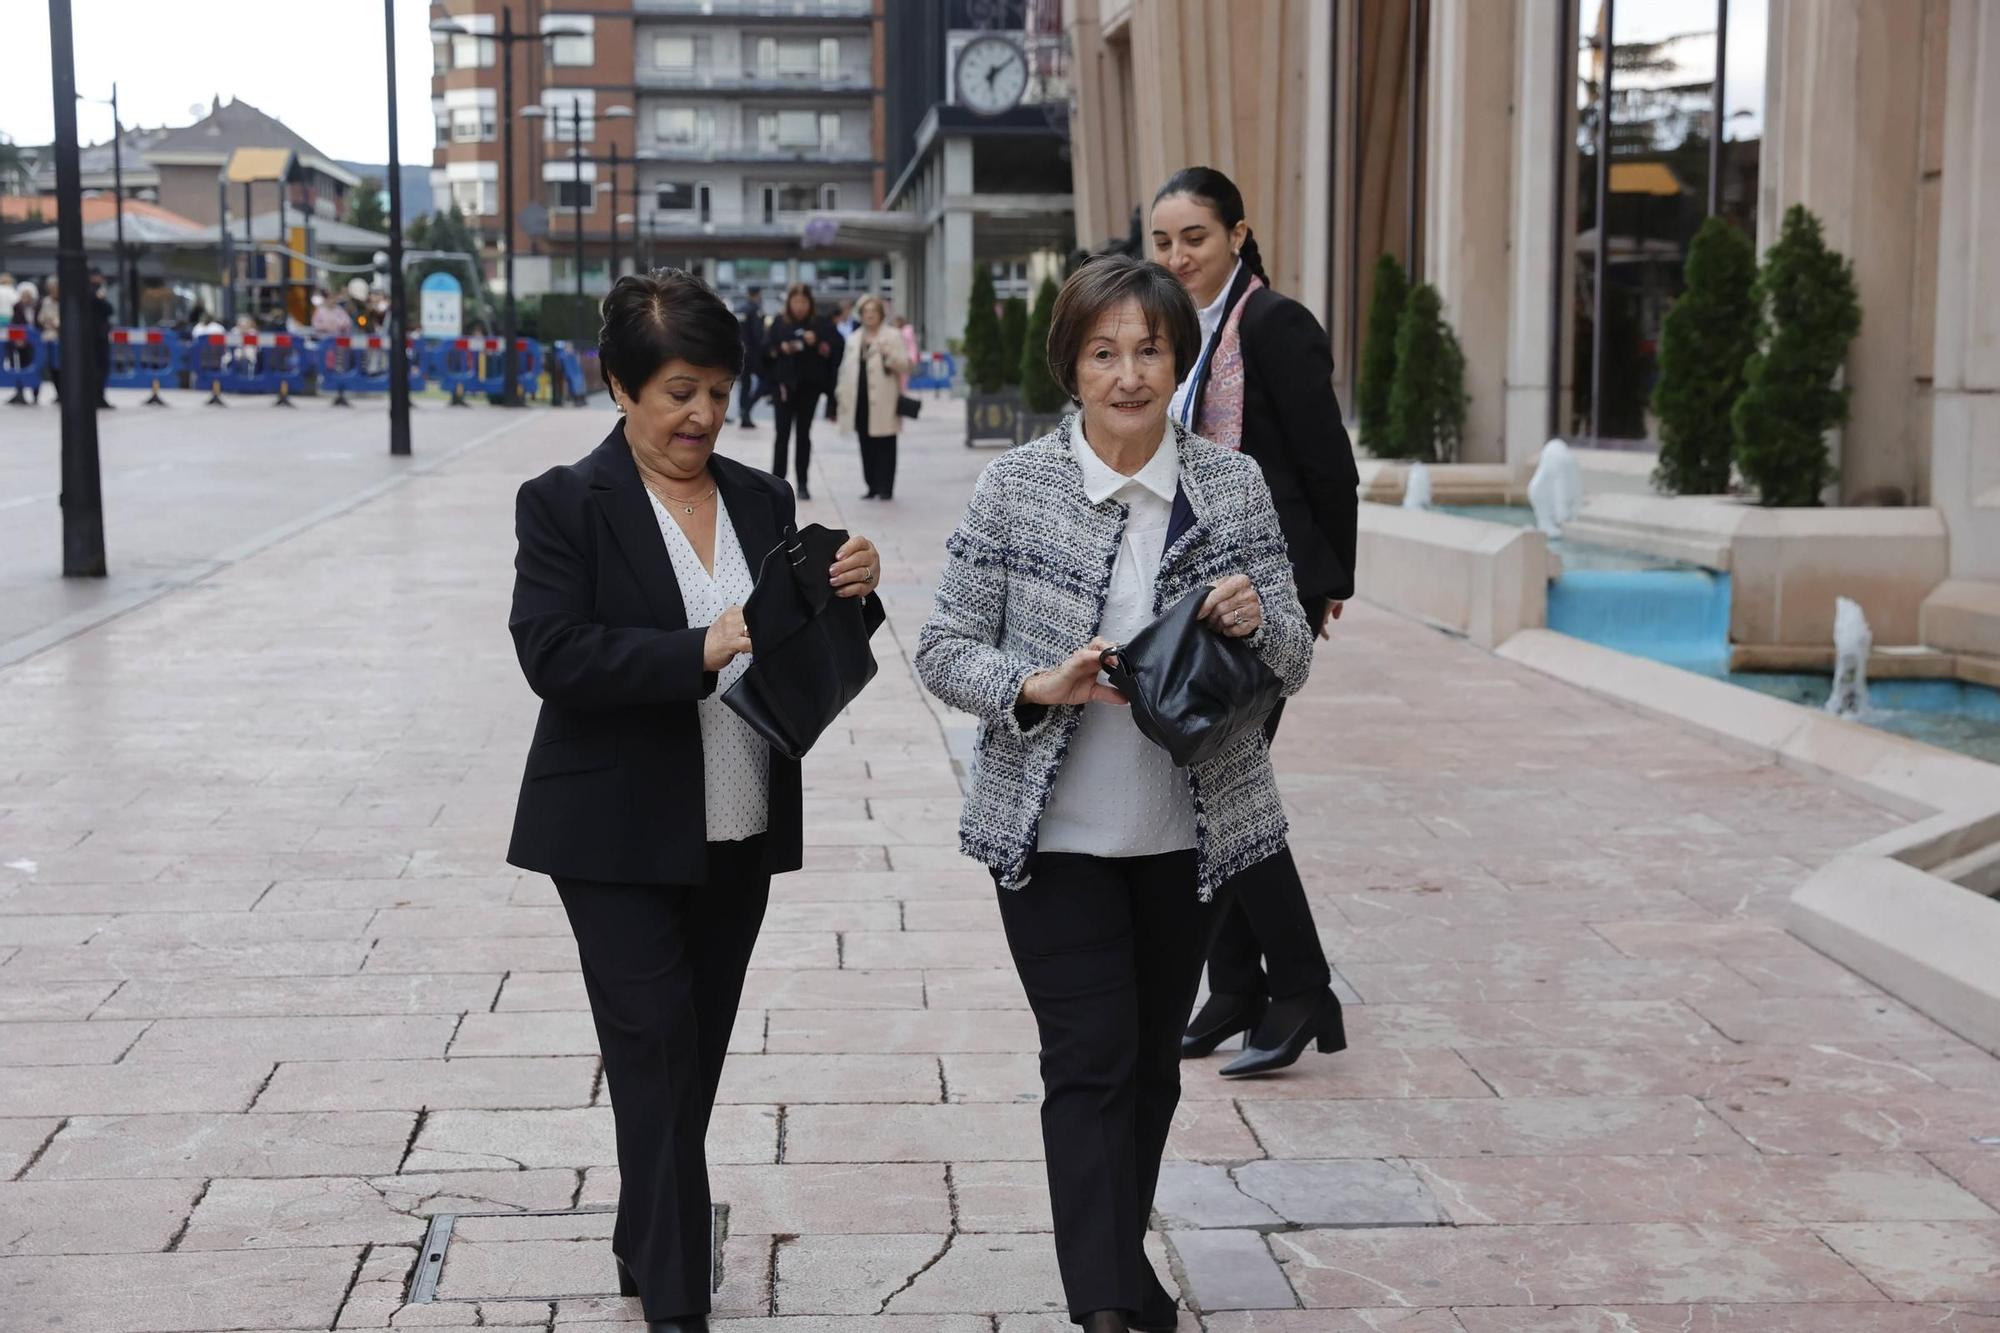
x=992, y=74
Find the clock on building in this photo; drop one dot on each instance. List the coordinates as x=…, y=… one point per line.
x=992, y=74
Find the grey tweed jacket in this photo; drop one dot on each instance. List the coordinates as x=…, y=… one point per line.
x=1025, y=579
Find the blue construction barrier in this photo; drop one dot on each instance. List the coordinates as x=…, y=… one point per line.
x=935, y=370
x=144, y=359
x=360, y=364
x=23, y=358
x=570, y=366
x=256, y=363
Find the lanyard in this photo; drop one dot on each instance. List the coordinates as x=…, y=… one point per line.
x=1195, y=376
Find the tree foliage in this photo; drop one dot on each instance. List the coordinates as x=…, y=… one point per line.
x=1427, y=400
x=1038, y=382
x=983, y=370
x=1378, y=357
x=449, y=231
x=1013, y=333
x=1705, y=344
x=364, y=206
x=1808, y=313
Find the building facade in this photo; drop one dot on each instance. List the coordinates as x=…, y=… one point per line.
x=1463, y=136
x=732, y=124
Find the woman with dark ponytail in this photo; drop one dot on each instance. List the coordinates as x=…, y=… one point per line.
x=1264, y=385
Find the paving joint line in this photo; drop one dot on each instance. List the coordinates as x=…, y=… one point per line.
x=36, y=1157
x=180, y=1233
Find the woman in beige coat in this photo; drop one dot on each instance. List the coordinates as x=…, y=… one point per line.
x=871, y=378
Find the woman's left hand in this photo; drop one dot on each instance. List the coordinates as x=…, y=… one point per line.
x=1232, y=607
x=857, y=568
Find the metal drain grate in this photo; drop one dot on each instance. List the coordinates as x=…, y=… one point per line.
x=437, y=1239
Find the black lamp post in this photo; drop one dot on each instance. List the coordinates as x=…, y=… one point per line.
x=82, y=497
x=399, y=300
x=510, y=394
x=577, y=197
x=127, y=299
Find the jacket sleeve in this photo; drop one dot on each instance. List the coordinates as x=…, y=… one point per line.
x=568, y=658
x=1285, y=640
x=958, y=655
x=1293, y=352
x=895, y=356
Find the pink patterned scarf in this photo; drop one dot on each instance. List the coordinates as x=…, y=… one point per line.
x=1222, y=404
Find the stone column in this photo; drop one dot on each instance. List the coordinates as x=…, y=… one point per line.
x=1538, y=67
x=951, y=236
x=1469, y=168
x=1965, y=401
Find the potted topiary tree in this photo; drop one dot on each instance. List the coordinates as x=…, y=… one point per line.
x=1705, y=343
x=1040, y=393
x=1427, y=399
x=990, y=409
x=1013, y=332
x=1378, y=358
x=1807, y=314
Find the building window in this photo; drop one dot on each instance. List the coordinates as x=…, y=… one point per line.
x=795, y=57
x=829, y=197
x=674, y=54
x=829, y=59
x=675, y=196
x=829, y=131
x=578, y=50
x=470, y=51
x=556, y=125
x=779, y=130
x=475, y=198
x=569, y=194
x=684, y=126
x=470, y=124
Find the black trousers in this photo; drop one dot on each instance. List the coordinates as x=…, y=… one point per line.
x=748, y=391
x=878, y=464
x=663, y=965
x=1266, y=944
x=1109, y=951
x=794, y=407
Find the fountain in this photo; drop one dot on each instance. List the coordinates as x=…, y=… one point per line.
x=1556, y=490
x=1852, y=640
x=1417, y=487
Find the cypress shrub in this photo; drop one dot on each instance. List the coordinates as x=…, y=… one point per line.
x=1013, y=333
x=1378, y=357
x=1038, y=383
x=983, y=372
x=1427, y=399
x=1705, y=343
x=1807, y=314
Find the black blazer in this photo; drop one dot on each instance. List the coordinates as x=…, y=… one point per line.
x=1292, y=427
x=614, y=789
x=807, y=370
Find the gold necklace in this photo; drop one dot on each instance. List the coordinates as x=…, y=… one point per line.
x=687, y=506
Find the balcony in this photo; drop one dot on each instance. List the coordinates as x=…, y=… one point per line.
x=724, y=150
x=758, y=9
x=857, y=80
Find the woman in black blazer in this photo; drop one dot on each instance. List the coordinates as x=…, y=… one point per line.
x=802, y=350
x=659, y=813
x=1264, y=384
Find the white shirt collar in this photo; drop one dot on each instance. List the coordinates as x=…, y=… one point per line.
x=1161, y=475
x=1211, y=314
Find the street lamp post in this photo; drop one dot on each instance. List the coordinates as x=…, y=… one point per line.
x=399, y=301
x=127, y=300
x=82, y=498
x=510, y=393
x=577, y=197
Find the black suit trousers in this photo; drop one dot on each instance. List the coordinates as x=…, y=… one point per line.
x=663, y=965
x=795, y=407
x=1109, y=951
x=1267, y=922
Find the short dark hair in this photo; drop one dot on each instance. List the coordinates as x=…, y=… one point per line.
x=1104, y=281
x=666, y=315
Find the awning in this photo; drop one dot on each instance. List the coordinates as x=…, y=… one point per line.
x=250, y=166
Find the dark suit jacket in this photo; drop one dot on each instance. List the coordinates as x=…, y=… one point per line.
x=807, y=370
x=1292, y=427
x=614, y=788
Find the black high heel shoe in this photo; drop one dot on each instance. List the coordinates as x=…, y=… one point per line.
x=1220, y=1018
x=1289, y=1033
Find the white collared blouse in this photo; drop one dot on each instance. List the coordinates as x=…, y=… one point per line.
x=1118, y=794
x=736, y=761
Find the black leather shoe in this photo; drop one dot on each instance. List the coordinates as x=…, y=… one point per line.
x=1220, y=1018
x=687, y=1323
x=1106, y=1321
x=804, y=494
x=1288, y=1027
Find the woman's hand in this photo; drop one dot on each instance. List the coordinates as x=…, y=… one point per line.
x=857, y=568
x=1232, y=607
x=726, y=638
x=1074, y=682
x=1333, y=610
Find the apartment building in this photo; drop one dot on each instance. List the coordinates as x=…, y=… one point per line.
x=712, y=132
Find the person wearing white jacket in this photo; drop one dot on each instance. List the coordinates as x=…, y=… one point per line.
x=870, y=380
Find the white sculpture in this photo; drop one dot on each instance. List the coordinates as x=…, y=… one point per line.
x=1556, y=490
x=1851, y=641
x=1417, y=487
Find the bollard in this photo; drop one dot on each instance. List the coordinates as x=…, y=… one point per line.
x=340, y=395
x=285, y=395
x=458, y=396
x=154, y=399
x=215, y=394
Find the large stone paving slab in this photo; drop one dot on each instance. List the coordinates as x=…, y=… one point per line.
x=161, y=1146
x=177, y=1293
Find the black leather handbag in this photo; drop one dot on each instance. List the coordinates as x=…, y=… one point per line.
x=1192, y=691
x=810, y=653
x=908, y=407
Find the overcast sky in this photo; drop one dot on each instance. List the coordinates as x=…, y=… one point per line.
x=317, y=65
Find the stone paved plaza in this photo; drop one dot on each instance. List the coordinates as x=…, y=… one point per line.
x=271, y=1001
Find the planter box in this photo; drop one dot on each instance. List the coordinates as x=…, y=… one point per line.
x=993, y=418
x=1034, y=425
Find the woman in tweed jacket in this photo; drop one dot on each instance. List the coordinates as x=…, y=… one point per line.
x=1107, y=857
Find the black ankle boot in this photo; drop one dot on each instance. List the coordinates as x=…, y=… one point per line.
x=1288, y=1027
x=1220, y=1018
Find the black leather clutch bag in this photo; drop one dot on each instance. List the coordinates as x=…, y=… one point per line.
x=1192, y=691
x=811, y=655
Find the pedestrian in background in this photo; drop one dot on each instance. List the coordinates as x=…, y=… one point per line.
x=102, y=317
x=330, y=318
x=871, y=379
x=802, y=352
x=660, y=814
x=750, y=324
x=1110, y=863
x=27, y=308
x=909, y=335
x=1264, y=385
